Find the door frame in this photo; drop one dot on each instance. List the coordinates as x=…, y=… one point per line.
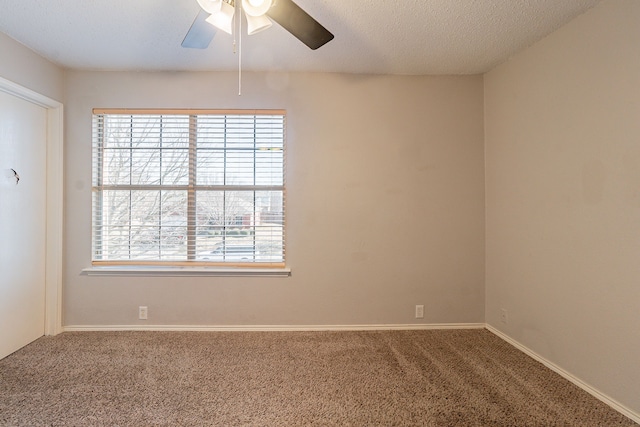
x=54, y=203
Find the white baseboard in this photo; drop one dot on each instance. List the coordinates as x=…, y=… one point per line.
x=222, y=328
x=577, y=381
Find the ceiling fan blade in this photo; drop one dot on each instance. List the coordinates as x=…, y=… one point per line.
x=201, y=32
x=299, y=23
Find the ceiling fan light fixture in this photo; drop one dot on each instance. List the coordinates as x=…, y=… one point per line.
x=286, y=13
x=256, y=7
x=223, y=17
x=255, y=24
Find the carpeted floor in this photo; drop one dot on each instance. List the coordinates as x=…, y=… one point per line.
x=373, y=378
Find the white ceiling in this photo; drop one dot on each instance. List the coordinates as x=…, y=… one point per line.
x=371, y=36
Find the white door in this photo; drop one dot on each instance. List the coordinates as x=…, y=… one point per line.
x=23, y=130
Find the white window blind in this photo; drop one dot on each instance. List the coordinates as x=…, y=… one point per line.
x=188, y=187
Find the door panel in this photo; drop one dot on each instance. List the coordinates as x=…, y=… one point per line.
x=22, y=222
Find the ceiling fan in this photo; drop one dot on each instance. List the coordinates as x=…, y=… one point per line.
x=219, y=14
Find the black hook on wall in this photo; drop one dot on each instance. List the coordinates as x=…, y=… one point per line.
x=15, y=174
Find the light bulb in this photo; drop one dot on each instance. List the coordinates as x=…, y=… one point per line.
x=256, y=7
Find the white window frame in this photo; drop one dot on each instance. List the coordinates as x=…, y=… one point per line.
x=193, y=264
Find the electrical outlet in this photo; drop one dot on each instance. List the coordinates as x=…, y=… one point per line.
x=143, y=312
x=504, y=316
x=419, y=311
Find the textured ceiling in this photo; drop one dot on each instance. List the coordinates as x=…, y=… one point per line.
x=371, y=36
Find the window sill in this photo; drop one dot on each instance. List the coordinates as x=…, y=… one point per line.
x=146, y=271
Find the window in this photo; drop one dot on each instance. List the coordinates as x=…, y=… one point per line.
x=188, y=187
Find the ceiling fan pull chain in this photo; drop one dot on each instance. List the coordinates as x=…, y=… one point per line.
x=239, y=11
x=233, y=24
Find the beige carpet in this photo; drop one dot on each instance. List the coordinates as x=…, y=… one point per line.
x=385, y=378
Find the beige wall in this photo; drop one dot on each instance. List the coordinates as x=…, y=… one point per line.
x=562, y=123
x=385, y=202
x=26, y=68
